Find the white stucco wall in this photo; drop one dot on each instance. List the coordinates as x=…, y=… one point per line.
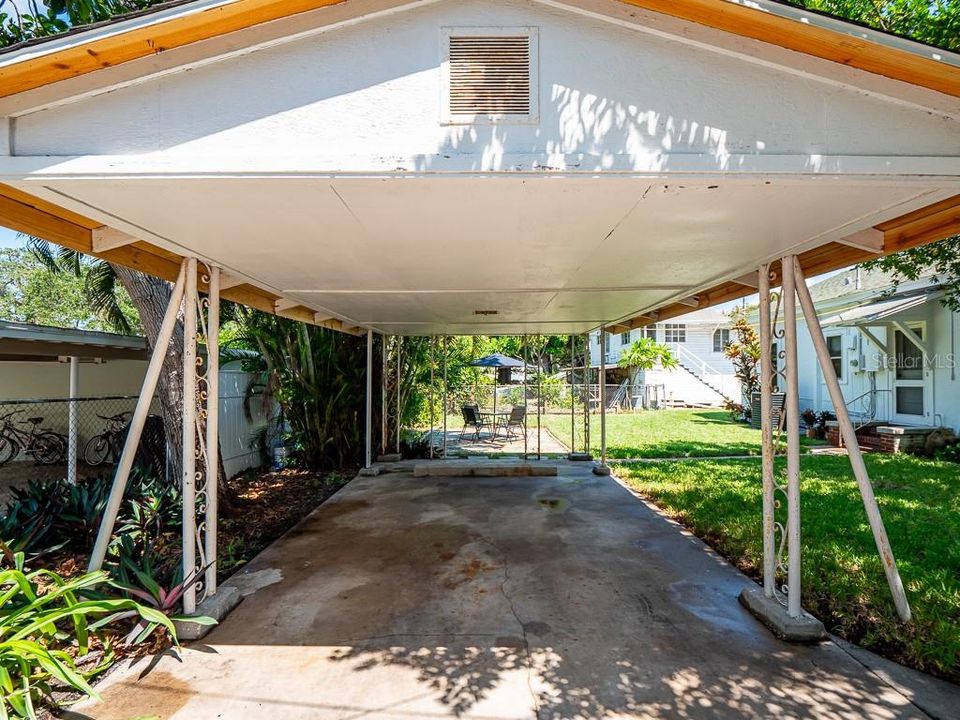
x=370, y=94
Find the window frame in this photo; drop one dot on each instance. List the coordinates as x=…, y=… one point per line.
x=679, y=328
x=719, y=334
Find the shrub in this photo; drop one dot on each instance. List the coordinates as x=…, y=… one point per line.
x=44, y=622
x=949, y=453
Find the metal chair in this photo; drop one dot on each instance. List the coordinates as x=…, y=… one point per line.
x=517, y=419
x=473, y=418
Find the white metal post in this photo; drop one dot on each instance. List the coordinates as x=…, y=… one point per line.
x=603, y=400
x=399, y=348
x=188, y=535
x=766, y=432
x=212, y=430
x=137, y=422
x=586, y=393
x=383, y=394
x=72, y=423
x=526, y=416
x=573, y=413
x=432, y=400
x=368, y=420
x=792, y=409
x=445, y=348
x=853, y=448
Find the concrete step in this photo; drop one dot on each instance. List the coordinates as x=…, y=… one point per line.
x=453, y=468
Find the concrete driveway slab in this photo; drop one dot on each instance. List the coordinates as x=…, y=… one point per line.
x=522, y=597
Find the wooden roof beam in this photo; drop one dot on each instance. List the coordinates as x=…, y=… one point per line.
x=106, y=238
x=869, y=240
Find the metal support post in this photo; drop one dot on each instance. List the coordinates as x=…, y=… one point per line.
x=212, y=430
x=526, y=416
x=853, y=448
x=383, y=394
x=72, y=422
x=399, y=345
x=445, y=405
x=603, y=400
x=189, y=425
x=137, y=421
x=792, y=410
x=432, y=363
x=766, y=432
x=368, y=419
x=573, y=412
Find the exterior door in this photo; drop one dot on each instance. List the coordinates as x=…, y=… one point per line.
x=911, y=379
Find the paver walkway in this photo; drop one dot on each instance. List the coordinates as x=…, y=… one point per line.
x=556, y=597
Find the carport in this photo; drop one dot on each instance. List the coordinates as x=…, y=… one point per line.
x=456, y=167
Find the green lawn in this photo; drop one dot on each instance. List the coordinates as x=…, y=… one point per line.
x=843, y=580
x=665, y=434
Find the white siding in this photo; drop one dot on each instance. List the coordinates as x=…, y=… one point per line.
x=942, y=329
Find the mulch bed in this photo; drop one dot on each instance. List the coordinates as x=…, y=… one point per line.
x=266, y=506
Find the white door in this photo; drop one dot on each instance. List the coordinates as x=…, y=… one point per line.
x=911, y=379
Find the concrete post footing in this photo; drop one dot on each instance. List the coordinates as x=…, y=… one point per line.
x=600, y=469
x=803, y=629
x=579, y=457
x=217, y=606
x=390, y=457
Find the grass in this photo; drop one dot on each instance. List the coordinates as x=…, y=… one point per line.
x=666, y=434
x=843, y=579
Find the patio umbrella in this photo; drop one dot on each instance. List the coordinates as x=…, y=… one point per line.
x=497, y=360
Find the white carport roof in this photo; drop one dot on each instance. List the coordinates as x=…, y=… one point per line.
x=517, y=242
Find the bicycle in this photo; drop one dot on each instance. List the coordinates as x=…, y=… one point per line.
x=45, y=446
x=109, y=443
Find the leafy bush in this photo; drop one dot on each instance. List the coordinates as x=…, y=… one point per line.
x=949, y=453
x=50, y=515
x=44, y=617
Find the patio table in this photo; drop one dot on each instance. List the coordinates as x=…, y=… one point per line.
x=494, y=416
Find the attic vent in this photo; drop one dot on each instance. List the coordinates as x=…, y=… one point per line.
x=490, y=74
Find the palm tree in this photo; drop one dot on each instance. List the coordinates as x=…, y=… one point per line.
x=150, y=296
x=645, y=354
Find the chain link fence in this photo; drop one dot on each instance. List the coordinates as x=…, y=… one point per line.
x=38, y=437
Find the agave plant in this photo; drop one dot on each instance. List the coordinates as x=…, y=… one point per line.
x=42, y=617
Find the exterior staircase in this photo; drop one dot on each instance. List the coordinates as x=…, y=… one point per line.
x=702, y=371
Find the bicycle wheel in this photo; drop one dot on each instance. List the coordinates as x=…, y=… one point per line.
x=8, y=449
x=49, y=448
x=96, y=450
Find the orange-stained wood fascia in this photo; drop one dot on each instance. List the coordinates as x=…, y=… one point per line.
x=920, y=227
x=724, y=15
x=33, y=216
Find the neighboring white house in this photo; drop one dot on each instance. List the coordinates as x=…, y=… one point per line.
x=34, y=367
x=894, y=350
x=705, y=376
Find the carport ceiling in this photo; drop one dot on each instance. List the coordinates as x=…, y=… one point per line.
x=499, y=254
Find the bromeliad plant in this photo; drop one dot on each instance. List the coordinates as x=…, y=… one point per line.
x=47, y=621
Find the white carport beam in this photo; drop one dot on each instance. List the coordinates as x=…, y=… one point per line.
x=853, y=449
x=869, y=240
x=107, y=238
x=137, y=422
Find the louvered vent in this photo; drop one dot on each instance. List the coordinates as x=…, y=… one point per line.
x=489, y=75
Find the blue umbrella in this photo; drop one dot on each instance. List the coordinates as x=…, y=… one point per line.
x=497, y=360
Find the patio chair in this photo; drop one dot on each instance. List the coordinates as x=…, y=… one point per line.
x=473, y=418
x=516, y=419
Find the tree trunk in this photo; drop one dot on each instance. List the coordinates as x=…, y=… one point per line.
x=151, y=295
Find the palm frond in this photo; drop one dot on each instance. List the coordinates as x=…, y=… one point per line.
x=102, y=288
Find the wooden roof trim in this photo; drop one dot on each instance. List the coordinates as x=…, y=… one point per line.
x=34, y=216
x=920, y=227
x=141, y=41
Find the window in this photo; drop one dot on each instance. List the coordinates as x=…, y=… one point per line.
x=490, y=75
x=835, y=350
x=650, y=331
x=625, y=338
x=674, y=333
x=606, y=342
x=721, y=338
